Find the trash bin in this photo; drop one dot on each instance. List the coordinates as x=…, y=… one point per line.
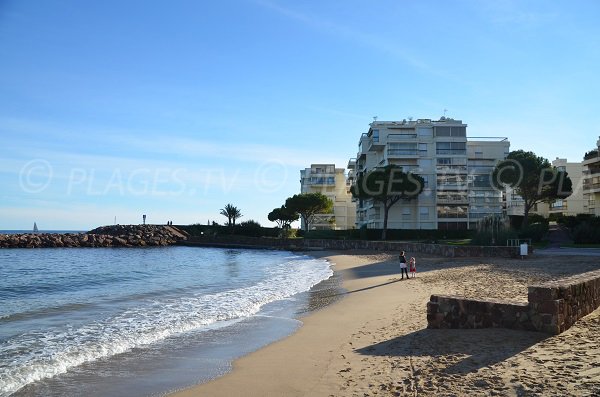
x=524, y=249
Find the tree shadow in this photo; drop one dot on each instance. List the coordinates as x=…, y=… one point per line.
x=377, y=269
x=391, y=267
x=462, y=351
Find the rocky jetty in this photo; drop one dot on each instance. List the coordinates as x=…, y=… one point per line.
x=105, y=236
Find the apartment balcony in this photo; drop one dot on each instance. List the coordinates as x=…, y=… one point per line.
x=320, y=181
x=452, y=152
x=485, y=200
x=479, y=215
x=452, y=216
x=557, y=209
x=375, y=144
x=592, y=171
x=402, y=153
x=401, y=137
x=351, y=164
x=451, y=186
x=494, y=209
x=464, y=200
x=363, y=144
x=451, y=169
x=591, y=187
x=591, y=160
x=515, y=210
x=481, y=170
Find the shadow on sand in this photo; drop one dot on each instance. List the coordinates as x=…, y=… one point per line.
x=461, y=350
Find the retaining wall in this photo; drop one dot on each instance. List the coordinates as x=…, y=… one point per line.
x=552, y=307
x=451, y=251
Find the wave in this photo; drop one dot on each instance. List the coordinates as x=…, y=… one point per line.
x=36, y=355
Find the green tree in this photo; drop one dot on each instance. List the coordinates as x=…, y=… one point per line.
x=283, y=216
x=307, y=205
x=232, y=213
x=533, y=178
x=388, y=185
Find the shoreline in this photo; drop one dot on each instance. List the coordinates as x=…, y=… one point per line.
x=375, y=340
x=299, y=360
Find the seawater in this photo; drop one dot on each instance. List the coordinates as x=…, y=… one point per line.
x=140, y=321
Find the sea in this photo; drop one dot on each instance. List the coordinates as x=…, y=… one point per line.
x=145, y=321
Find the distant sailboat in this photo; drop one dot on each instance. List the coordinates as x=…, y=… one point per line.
x=35, y=228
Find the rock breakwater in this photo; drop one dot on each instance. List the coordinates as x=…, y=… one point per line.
x=105, y=236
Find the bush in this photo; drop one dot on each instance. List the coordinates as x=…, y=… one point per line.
x=535, y=231
x=249, y=228
x=536, y=218
x=499, y=238
x=587, y=232
x=568, y=221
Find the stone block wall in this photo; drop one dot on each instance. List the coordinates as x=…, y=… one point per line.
x=450, y=251
x=552, y=307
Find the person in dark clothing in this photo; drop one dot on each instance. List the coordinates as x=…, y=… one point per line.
x=403, y=268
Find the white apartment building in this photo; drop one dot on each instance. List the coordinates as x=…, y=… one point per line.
x=456, y=171
x=574, y=204
x=591, y=181
x=331, y=182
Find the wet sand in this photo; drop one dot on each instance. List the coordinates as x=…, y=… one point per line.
x=374, y=341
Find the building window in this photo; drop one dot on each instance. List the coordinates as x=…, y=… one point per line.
x=456, y=148
x=481, y=181
x=425, y=132
x=424, y=163
x=442, y=131
x=423, y=149
x=451, y=131
x=402, y=149
x=424, y=213
x=405, y=212
x=375, y=135
x=459, y=131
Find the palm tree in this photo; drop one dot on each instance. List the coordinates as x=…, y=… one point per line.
x=232, y=213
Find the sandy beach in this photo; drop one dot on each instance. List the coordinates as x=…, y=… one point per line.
x=374, y=341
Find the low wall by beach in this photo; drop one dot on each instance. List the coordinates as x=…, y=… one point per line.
x=552, y=307
x=451, y=251
x=105, y=236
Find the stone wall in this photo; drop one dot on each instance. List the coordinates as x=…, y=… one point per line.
x=451, y=251
x=105, y=236
x=552, y=307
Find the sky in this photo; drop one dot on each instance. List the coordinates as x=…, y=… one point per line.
x=114, y=109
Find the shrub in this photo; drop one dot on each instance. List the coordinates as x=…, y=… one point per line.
x=249, y=228
x=535, y=231
x=568, y=221
x=537, y=218
x=587, y=232
x=489, y=238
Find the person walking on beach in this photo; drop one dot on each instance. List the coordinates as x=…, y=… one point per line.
x=403, y=269
x=412, y=265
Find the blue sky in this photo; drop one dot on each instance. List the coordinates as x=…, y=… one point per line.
x=122, y=108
